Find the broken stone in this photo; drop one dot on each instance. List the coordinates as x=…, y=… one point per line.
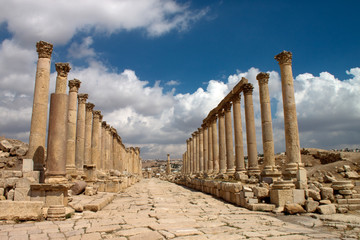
x=327, y=193
x=4, y=155
x=5, y=146
x=261, y=192
x=310, y=193
x=326, y=209
x=347, y=168
x=325, y=202
x=10, y=195
x=310, y=206
x=78, y=187
x=352, y=175
x=293, y=208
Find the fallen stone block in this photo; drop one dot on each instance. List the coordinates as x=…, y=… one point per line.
x=262, y=207
x=293, y=208
x=326, y=209
x=5, y=146
x=327, y=193
x=261, y=192
x=78, y=187
x=311, y=193
x=21, y=210
x=310, y=206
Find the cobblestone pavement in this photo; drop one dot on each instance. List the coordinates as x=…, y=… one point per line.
x=155, y=209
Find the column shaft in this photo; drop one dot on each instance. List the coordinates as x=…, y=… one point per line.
x=230, y=168
x=205, y=148
x=210, y=149
x=80, y=133
x=95, y=139
x=239, y=145
x=201, y=150
x=88, y=132
x=222, y=143
x=215, y=146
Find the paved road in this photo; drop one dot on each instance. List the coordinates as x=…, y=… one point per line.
x=154, y=209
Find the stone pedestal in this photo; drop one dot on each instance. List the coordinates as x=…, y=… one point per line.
x=253, y=166
x=290, y=119
x=37, y=137
x=50, y=194
x=281, y=193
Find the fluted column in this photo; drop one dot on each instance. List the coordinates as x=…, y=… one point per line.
x=269, y=170
x=210, y=149
x=88, y=132
x=253, y=168
x=290, y=119
x=205, y=148
x=222, y=142
x=74, y=86
x=230, y=163
x=95, y=139
x=80, y=133
x=57, y=135
x=37, y=138
x=201, y=150
x=215, y=146
x=238, y=134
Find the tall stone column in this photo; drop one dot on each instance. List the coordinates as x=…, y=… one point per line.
x=107, y=148
x=103, y=145
x=197, y=137
x=238, y=134
x=210, y=149
x=253, y=168
x=80, y=133
x=188, y=156
x=74, y=86
x=269, y=170
x=56, y=146
x=88, y=132
x=222, y=142
x=113, y=134
x=201, y=150
x=168, y=167
x=95, y=139
x=99, y=162
x=230, y=162
x=205, y=148
x=194, y=152
x=290, y=119
x=215, y=146
x=37, y=138
x=191, y=162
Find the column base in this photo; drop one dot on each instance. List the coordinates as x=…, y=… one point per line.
x=70, y=169
x=222, y=176
x=241, y=176
x=291, y=170
x=253, y=171
x=56, y=179
x=270, y=174
x=230, y=171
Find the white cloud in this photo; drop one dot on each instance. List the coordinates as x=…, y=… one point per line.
x=58, y=21
x=172, y=83
x=82, y=50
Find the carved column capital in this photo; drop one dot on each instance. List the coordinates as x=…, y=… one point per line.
x=263, y=78
x=107, y=127
x=227, y=107
x=248, y=88
x=74, y=85
x=103, y=124
x=89, y=106
x=200, y=130
x=62, y=69
x=284, y=57
x=82, y=97
x=221, y=112
x=101, y=117
x=236, y=98
x=44, y=49
x=96, y=114
x=113, y=131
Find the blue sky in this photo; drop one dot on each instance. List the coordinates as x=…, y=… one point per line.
x=148, y=65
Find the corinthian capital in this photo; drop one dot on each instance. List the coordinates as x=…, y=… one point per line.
x=74, y=85
x=44, y=49
x=284, y=57
x=82, y=97
x=263, y=78
x=62, y=69
x=89, y=106
x=248, y=88
x=235, y=98
x=227, y=106
x=96, y=114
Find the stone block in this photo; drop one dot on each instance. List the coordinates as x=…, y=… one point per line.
x=345, y=192
x=352, y=175
x=22, y=194
x=280, y=197
x=247, y=189
x=262, y=207
x=12, y=174
x=311, y=193
x=353, y=201
x=299, y=196
x=327, y=193
x=252, y=200
x=248, y=194
x=33, y=176
x=21, y=210
x=293, y=208
x=261, y=192
x=5, y=146
x=10, y=195
x=54, y=198
x=326, y=209
x=28, y=165
x=23, y=183
x=310, y=206
x=37, y=195
x=325, y=202
x=353, y=207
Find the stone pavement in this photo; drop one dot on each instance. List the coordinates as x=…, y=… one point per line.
x=155, y=209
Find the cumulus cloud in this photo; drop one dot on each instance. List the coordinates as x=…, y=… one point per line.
x=172, y=83
x=58, y=21
x=82, y=50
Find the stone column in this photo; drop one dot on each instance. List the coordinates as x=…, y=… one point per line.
x=191, y=154
x=99, y=162
x=290, y=119
x=253, y=168
x=197, y=137
x=222, y=142
x=205, y=148
x=56, y=146
x=88, y=132
x=103, y=145
x=210, y=149
x=95, y=139
x=107, y=147
x=215, y=146
x=74, y=86
x=269, y=170
x=194, y=152
x=188, y=156
x=201, y=150
x=113, y=134
x=168, y=167
x=230, y=168
x=238, y=134
x=37, y=139
x=80, y=133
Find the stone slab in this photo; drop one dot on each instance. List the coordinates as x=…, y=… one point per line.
x=21, y=210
